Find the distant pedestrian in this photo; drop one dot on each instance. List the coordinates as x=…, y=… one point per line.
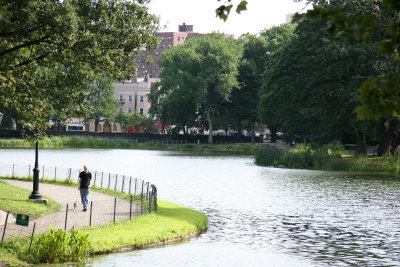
x=84, y=186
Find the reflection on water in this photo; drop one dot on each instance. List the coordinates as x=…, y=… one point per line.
x=257, y=216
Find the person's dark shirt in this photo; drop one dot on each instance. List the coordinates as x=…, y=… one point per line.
x=85, y=179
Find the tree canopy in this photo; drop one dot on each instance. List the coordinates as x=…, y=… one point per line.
x=50, y=49
x=198, y=76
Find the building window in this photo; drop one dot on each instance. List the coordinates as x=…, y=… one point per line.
x=179, y=38
x=141, y=111
x=141, y=98
x=156, y=53
x=142, y=66
x=99, y=128
x=130, y=98
x=121, y=110
x=169, y=38
x=130, y=110
x=162, y=38
x=162, y=46
x=115, y=128
x=169, y=45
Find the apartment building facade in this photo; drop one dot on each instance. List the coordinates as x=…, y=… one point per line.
x=132, y=98
x=168, y=40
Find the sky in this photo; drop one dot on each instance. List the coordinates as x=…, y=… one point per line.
x=261, y=14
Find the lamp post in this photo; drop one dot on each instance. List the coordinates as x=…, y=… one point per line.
x=35, y=195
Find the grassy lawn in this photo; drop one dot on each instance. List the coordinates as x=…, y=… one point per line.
x=169, y=222
x=9, y=259
x=16, y=200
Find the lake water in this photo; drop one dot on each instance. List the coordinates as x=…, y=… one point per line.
x=257, y=216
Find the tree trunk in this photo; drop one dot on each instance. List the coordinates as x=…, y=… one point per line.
x=395, y=143
x=239, y=137
x=388, y=131
x=96, y=125
x=252, y=132
x=361, y=146
x=273, y=135
x=210, y=127
x=162, y=127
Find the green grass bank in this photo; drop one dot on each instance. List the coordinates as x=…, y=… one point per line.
x=16, y=200
x=98, y=142
x=171, y=222
x=330, y=157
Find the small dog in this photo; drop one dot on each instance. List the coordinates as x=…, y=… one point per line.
x=75, y=204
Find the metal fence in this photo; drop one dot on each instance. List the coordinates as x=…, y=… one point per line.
x=142, y=199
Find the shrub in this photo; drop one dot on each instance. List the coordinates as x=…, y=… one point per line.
x=59, y=246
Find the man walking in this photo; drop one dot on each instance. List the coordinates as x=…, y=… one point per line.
x=84, y=186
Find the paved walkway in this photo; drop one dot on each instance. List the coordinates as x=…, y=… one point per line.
x=102, y=212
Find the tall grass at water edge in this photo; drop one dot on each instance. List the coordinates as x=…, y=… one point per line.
x=67, y=141
x=330, y=157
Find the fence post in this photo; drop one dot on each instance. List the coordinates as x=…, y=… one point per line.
x=5, y=226
x=33, y=232
x=95, y=176
x=29, y=171
x=123, y=183
x=130, y=209
x=155, y=197
x=66, y=218
x=55, y=174
x=135, y=186
x=130, y=183
x=101, y=185
x=149, y=202
x=141, y=199
x=43, y=173
x=91, y=208
x=109, y=180
x=13, y=171
x=69, y=176
x=115, y=208
x=116, y=180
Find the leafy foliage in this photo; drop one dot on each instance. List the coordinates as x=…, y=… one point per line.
x=223, y=11
x=100, y=102
x=59, y=246
x=50, y=49
x=311, y=83
x=380, y=24
x=197, y=77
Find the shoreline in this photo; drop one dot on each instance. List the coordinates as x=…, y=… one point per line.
x=153, y=245
x=172, y=223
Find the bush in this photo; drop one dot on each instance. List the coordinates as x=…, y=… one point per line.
x=269, y=157
x=59, y=246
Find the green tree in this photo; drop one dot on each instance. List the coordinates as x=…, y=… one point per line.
x=199, y=75
x=100, y=100
x=378, y=24
x=71, y=39
x=158, y=108
x=311, y=88
x=277, y=38
x=243, y=105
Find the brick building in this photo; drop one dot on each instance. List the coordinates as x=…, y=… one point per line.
x=168, y=40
